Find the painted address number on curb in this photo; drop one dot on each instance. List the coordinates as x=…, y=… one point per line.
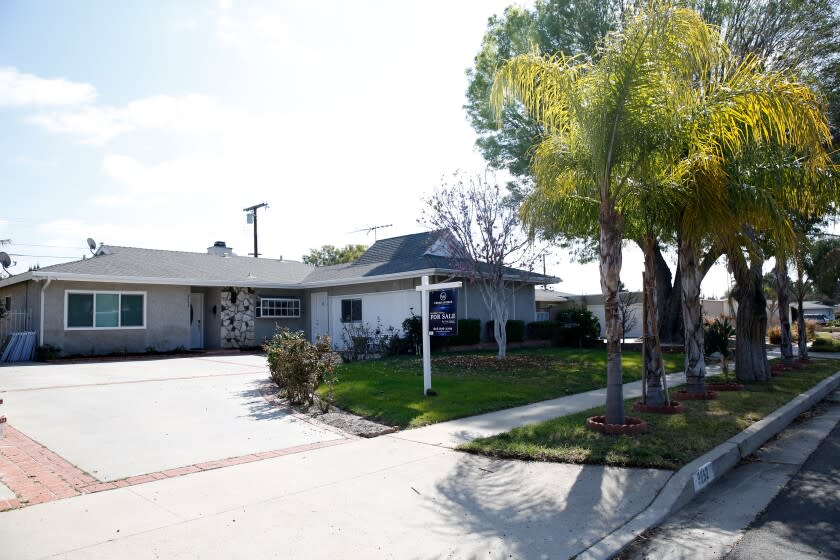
x=703, y=477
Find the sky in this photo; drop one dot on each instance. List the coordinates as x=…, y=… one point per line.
x=153, y=124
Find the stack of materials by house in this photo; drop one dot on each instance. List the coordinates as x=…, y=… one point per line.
x=20, y=348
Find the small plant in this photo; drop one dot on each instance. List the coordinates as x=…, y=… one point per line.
x=298, y=366
x=46, y=352
x=413, y=329
x=774, y=334
x=822, y=344
x=716, y=339
x=151, y=350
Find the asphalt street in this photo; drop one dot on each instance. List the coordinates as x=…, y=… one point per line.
x=802, y=521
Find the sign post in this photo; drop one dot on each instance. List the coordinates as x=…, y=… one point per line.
x=445, y=317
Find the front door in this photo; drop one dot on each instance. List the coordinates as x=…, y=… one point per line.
x=196, y=320
x=320, y=315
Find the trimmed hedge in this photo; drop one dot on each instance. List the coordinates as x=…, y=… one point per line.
x=469, y=332
x=514, y=328
x=825, y=345
x=541, y=330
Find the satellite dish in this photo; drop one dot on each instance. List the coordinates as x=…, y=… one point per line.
x=5, y=262
x=91, y=245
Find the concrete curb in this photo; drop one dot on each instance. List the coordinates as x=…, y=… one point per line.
x=679, y=490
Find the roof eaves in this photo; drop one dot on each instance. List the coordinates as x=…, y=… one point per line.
x=16, y=279
x=252, y=283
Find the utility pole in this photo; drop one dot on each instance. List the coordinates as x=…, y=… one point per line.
x=252, y=217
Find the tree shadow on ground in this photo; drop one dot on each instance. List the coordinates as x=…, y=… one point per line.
x=255, y=397
x=536, y=510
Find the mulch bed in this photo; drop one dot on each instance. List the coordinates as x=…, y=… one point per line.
x=631, y=426
x=686, y=396
x=674, y=408
x=492, y=363
x=724, y=387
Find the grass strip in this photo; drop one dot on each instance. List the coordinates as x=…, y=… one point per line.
x=671, y=441
x=390, y=390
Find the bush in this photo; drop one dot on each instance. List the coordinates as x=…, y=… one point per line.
x=775, y=335
x=469, y=332
x=576, y=325
x=298, y=366
x=514, y=328
x=541, y=330
x=716, y=337
x=46, y=352
x=822, y=344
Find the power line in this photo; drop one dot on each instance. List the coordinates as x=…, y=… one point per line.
x=41, y=256
x=46, y=246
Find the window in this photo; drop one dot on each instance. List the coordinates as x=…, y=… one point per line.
x=351, y=310
x=278, y=307
x=105, y=310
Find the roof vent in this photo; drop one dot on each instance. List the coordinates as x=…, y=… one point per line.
x=220, y=249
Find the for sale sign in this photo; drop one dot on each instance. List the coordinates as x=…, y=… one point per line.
x=443, y=312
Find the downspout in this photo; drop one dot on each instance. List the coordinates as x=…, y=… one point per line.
x=43, y=289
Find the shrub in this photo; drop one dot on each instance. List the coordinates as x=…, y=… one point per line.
x=823, y=344
x=46, y=352
x=298, y=366
x=469, y=332
x=514, y=328
x=810, y=330
x=576, y=325
x=541, y=330
x=413, y=329
x=775, y=335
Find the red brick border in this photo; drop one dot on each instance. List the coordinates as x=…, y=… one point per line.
x=38, y=475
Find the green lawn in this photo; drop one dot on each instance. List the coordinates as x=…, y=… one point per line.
x=390, y=390
x=671, y=441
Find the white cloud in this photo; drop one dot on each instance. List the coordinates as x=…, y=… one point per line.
x=188, y=114
x=20, y=90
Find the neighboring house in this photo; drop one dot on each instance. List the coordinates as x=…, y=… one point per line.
x=555, y=302
x=814, y=310
x=131, y=299
x=549, y=303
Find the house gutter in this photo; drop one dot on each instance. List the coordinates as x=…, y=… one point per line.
x=41, y=325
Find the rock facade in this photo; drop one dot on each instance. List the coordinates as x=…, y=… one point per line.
x=237, y=317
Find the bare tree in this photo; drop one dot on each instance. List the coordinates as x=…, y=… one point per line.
x=627, y=315
x=485, y=241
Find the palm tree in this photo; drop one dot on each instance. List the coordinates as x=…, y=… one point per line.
x=606, y=123
x=662, y=97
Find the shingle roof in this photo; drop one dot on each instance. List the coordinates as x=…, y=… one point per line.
x=395, y=256
x=181, y=265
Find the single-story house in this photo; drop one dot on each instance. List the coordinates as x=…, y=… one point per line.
x=134, y=300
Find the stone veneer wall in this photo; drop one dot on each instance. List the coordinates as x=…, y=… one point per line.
x=237, y=317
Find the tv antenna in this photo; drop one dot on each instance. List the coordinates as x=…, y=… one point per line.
x=371, y=229
x=6, y=262
x=251, y=218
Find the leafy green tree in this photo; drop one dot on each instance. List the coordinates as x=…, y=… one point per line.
x=328, y=254
x=823, y=267
x=605, y=124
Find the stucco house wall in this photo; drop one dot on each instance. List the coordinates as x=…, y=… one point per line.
x=167, y=324
x=266, y=326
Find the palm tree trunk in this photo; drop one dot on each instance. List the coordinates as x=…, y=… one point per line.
x=800, y=326
x=782, y=288
x=654, y=368
x=692, y=312
x=610, y=263
x=751, y=330
x=800, y=297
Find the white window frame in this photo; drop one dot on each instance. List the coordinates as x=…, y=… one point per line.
x=108, y=292
x=263, y=314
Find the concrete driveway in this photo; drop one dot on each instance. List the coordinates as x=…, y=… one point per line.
x=121, y=419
